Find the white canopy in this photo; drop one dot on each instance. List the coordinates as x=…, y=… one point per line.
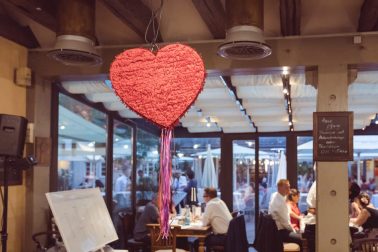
x=209, y=177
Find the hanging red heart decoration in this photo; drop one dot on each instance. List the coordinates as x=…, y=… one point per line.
x=160, y=87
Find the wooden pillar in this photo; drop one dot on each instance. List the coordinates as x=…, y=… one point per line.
x=241, y=12
x=332, y=231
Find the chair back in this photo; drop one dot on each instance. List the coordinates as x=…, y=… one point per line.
x=366, y=245
x=236, y=235
x=128, y=222
x=160, y=243
x=267, y=236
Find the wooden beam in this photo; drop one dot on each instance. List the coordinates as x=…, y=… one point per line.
x=41, y=11
x=134, y=14
x=11, y=30
x=368, y=16
x=214, y=15
x=290, y=16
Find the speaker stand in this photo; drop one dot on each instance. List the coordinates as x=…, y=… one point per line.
x=4, y=234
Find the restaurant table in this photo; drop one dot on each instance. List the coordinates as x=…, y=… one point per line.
x=194, y=229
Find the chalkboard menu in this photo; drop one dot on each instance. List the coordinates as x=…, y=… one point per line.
x=333, y=136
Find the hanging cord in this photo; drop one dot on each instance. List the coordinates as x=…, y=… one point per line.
x=154, y=24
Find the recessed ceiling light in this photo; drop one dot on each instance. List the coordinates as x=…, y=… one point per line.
x=125, y=146
x=117, y=139
x=196, y=146
x=208, y=125
x=62, y=127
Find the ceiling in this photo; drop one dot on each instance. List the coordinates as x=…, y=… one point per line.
x=237, y=103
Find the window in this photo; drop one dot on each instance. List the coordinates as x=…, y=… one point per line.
x=82, y=138
x=305, y=171
x=122, y=166
x=272, y=167
x=147, y=166
x=199, y=156
x=364, y=169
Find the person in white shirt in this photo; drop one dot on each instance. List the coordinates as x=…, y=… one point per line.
x=122, y=185
x=281, y=214
x=217, y=216
x=311, y=196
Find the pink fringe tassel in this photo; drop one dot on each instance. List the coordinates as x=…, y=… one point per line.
x=165, y=180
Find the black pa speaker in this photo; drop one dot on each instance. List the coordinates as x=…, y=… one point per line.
x=12, y=135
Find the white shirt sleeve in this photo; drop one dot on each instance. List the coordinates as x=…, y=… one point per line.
x=311, y=196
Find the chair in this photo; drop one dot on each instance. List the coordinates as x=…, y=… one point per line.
x=128, y=221
x=159, y=244
x=268, y=239
x=236, y=235
x=365, y=245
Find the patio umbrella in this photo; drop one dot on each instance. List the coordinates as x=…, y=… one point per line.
x=209, y=177
x=282, y=168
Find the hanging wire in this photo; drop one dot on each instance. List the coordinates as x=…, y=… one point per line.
x=154, y=24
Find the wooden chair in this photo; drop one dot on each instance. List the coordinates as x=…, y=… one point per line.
x=158, y=244
x=365, y=245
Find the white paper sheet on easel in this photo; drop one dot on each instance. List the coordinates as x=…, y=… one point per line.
x=82, y=218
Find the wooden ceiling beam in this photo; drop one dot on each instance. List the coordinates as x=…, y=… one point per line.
x=214, y=15
x=11, y=30
x=290, y=16
x=41, y=11
x=134, y=14
x=368, y=16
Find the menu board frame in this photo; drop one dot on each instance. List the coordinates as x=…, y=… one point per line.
x=348, y=134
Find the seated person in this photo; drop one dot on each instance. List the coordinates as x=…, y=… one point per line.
x=295, y=213
x=354, y=192
x=149, y=215
x=217, y=216
x=280, y=213
x=368, y=217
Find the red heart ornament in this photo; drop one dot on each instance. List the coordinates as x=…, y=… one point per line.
x=160, y=87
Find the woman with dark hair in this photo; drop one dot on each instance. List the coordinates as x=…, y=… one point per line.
x=354, y=192
x=368, y=217
x=191, y=189
x=295, y=213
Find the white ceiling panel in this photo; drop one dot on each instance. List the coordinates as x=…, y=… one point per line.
x=204, y=129
x=128, y=114
x=84, y=87
x=214, y=93
x=247, y=92
x=102, y=97
x=273, y=111
x=239, y=129
x=273, y=128
x=229, y=103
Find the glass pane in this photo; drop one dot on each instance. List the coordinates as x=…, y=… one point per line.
x=244, y=183
x=272, y=167
x=122, y=166
x=147, y=166
x=305, y=171
x=194, y=161
x=364, y=169
x=82, y=138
